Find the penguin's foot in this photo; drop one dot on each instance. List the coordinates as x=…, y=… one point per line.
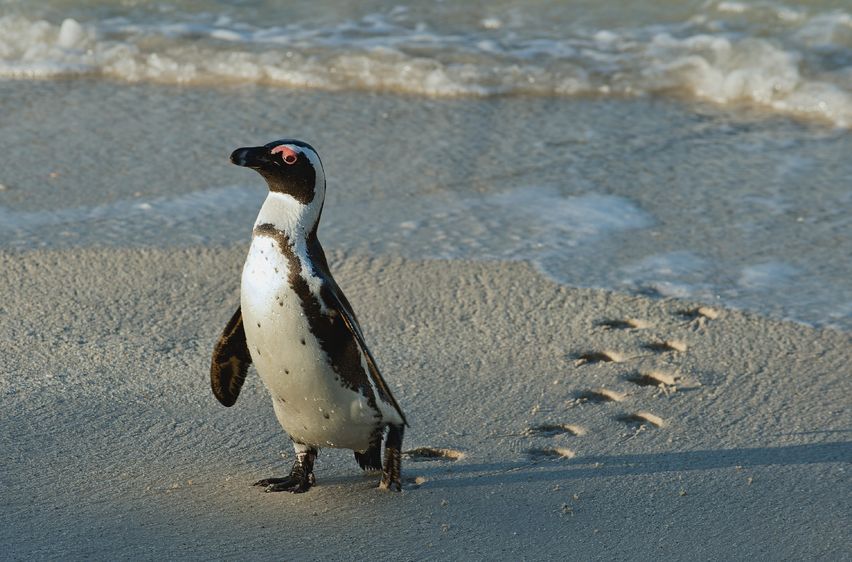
x=391, y=474
x=295, y=483
x=300, y=479
x=392, y=471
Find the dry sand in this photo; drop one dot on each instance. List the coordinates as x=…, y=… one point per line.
x=114, y=446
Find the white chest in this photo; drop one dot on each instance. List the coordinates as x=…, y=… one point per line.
x=310, y=403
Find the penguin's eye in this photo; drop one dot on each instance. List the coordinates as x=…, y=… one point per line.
x=287, y=154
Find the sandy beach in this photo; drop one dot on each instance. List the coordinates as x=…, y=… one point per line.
x=600, y=252
x=115, y=447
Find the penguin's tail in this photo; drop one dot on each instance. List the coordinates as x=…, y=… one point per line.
x=371, y=459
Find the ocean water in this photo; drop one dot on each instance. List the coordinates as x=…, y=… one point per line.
x=789, y=58
x=677, y=149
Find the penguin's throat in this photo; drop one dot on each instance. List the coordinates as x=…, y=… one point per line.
x=288, y=215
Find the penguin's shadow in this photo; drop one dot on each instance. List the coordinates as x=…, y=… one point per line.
x=358, y=480
x=482, y=474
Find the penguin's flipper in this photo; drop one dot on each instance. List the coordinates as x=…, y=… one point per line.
x=332, y=294
x=230, y=362
x=334, y=297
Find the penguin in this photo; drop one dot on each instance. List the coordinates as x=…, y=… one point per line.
x=298, y=329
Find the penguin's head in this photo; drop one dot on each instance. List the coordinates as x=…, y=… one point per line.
x=290, y=167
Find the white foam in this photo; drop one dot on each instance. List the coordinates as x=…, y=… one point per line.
x=125, y=220
x=678, y=274
x=581, y=216
x=782, y=67
x=735, y=7
x=750, y=70
x=671, y=264
x=71, y=34
x=525, y=223
x=767, y=275
x=491, y=23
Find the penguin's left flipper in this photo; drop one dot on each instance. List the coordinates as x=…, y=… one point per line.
x=231, y=360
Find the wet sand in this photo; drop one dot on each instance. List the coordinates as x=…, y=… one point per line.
x=638, y=195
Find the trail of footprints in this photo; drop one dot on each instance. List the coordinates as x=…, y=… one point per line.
x=663, y=379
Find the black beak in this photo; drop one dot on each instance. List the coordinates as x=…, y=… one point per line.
x=251, y=157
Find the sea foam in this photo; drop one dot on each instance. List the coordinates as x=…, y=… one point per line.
x=798, y=64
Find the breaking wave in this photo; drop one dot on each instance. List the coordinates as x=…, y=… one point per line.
x=778, y=59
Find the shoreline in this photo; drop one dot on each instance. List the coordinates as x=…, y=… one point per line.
x=625, y=195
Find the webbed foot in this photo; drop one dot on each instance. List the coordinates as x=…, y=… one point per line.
x=300, y=479
x=294, y=483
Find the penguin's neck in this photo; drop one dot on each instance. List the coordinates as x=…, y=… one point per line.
x=289, y=216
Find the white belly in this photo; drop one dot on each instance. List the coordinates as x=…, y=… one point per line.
x=310, y=403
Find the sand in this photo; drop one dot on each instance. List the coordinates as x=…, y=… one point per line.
x=114, y=447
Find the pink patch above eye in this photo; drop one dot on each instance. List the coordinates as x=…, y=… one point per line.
x=287, y=154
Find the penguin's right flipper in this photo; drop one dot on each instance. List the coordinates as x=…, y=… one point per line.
x=230, y=362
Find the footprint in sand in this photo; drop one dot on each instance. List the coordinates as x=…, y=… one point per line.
x=641, y=418
x=700, y=312
x=653, y=377
x=699, y=315
x=599, y=396
x=609, y=356
x=626, y=324
x=550, y=453
x=414, y=482
x=554, y=429
x=666, y=346
x=423, y=454
x=591, y=357
x=433, y=454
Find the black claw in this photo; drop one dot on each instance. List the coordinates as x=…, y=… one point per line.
x=269, y=481
x=281, y=486
x=289, y=485
x=296, y=483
